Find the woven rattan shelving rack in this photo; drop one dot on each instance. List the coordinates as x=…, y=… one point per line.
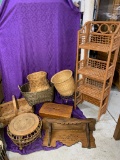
x=94, y=77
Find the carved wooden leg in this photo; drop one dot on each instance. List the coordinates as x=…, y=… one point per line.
x=88, y=135
x=50, y=133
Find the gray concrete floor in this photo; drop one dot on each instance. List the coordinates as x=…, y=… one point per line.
x=106, y=146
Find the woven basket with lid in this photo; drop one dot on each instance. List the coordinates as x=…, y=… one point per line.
x=38, y=81
x=64, y=82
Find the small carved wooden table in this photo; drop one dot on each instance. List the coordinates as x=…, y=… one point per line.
x=24, y=129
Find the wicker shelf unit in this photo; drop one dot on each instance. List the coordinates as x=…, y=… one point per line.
x=93, y=76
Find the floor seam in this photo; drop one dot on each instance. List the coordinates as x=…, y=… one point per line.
x=111, y=116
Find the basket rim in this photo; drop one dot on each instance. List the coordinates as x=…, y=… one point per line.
x=20, y=86
x=59, y=73
x=35, y=73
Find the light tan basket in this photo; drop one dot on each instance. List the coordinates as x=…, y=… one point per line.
x=38, y=81
x=64, y=82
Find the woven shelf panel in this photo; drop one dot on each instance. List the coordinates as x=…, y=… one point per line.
x=93, y=73
x=94, y=69
x=91, y=91
x=91, y=100
x=93, y=88
x=95, y=46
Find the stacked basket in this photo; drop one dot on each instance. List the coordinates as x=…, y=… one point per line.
x=38, y=89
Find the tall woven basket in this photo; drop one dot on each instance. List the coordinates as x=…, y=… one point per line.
x=38, y=81
x=34, y=98
x=64, y=82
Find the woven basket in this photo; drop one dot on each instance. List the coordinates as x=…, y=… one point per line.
x=34, y=98
x=64, y=82
x=38, y=81
x=13, y=108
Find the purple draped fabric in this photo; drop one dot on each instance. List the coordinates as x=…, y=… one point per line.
x=36, y=35
x=37, y=145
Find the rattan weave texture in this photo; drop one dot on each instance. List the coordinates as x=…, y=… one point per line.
x=34, y=98
x=94, y=69
x=64, y=82
x=11, y=109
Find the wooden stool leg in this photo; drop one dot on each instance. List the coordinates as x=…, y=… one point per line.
x=88, y=135
x=117, y=130
x=50, y=133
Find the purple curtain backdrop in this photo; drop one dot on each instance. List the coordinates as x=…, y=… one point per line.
x=36, y=35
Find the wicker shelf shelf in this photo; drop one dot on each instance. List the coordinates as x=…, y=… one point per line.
x=91, y=91
x=93, y=73
x=95, y=69
x=92, y=88
x=95, y=46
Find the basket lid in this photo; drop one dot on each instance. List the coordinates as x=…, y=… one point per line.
x=24, y=124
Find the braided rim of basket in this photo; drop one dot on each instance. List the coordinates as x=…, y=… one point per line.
x=42, y=73
x=50, y=86
x=60, y=73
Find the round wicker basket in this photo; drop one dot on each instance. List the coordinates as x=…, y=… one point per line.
x=64, y=82
x=38, y=81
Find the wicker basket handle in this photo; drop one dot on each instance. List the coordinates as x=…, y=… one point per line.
x=15, y=105
x=19, y=87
